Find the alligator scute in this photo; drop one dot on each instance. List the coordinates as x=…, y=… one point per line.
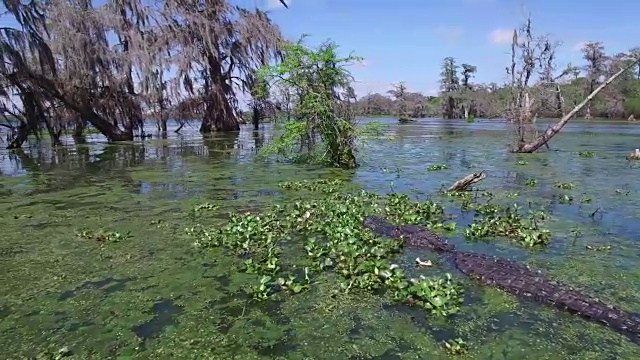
x=510, y=276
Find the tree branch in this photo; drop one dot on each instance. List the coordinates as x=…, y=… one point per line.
x=552, y=131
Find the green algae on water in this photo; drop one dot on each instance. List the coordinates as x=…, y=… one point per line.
x=156, y=295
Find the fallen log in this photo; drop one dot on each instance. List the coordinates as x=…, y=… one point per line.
x=464, y=183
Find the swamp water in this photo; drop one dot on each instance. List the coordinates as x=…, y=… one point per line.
x=144, y=292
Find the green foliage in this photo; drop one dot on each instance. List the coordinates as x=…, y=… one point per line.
x=493, y=220
x=455, y=346
x=632, y=106
x=587, y=153
x=488, y=100
x=325, y=233
x=400, y=210
x=290, y=144
x=322, y=185
x=320, y=238
x=103, y=236
x=565, y=199
x=325, y=129
x=564, y=186
x=437, y=167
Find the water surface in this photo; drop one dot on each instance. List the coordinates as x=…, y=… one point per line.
x=152, y=295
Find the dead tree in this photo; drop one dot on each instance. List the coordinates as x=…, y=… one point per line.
x=593, y=53
x=399, y=93
x=553, y=130
x=467, y=181
x=532, y=73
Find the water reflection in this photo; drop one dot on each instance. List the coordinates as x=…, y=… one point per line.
x=463, y=146
x=221, y=169
x=258, y=140
x=221, y=146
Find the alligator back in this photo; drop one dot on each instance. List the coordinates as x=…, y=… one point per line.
x=511, y=276
x=413, y=235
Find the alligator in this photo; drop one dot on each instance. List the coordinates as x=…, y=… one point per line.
x=511, y=276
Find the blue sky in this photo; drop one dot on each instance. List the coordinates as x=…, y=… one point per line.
x=406, y=40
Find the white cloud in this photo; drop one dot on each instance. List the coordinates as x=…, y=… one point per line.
x=501, y=36
x=276, y=4
x=364, y=87
x=450, y=33
x=578, y=46
x=432, y=91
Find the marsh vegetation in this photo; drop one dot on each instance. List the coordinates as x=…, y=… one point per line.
x=212, y=239
x=160, y=247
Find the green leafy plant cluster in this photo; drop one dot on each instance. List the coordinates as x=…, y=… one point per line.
x=321, y=185
x=401, y=210
x=456, y=346
x=320, y=238
x=103, y=236
x=436, y=167
x=324, y=129
x=493, y=220
x=564, y=186
x=292, y=247
x=587, y=154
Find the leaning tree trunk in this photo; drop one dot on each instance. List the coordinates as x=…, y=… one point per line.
x=31, y=119
x=21, y=136
x=553, y=130
x=110, y=130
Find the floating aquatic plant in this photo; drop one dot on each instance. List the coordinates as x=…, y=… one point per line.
x=494, y=220
x=437, y=167
x=329, y=235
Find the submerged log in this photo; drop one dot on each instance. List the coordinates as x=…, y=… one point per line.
x=512, y=277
